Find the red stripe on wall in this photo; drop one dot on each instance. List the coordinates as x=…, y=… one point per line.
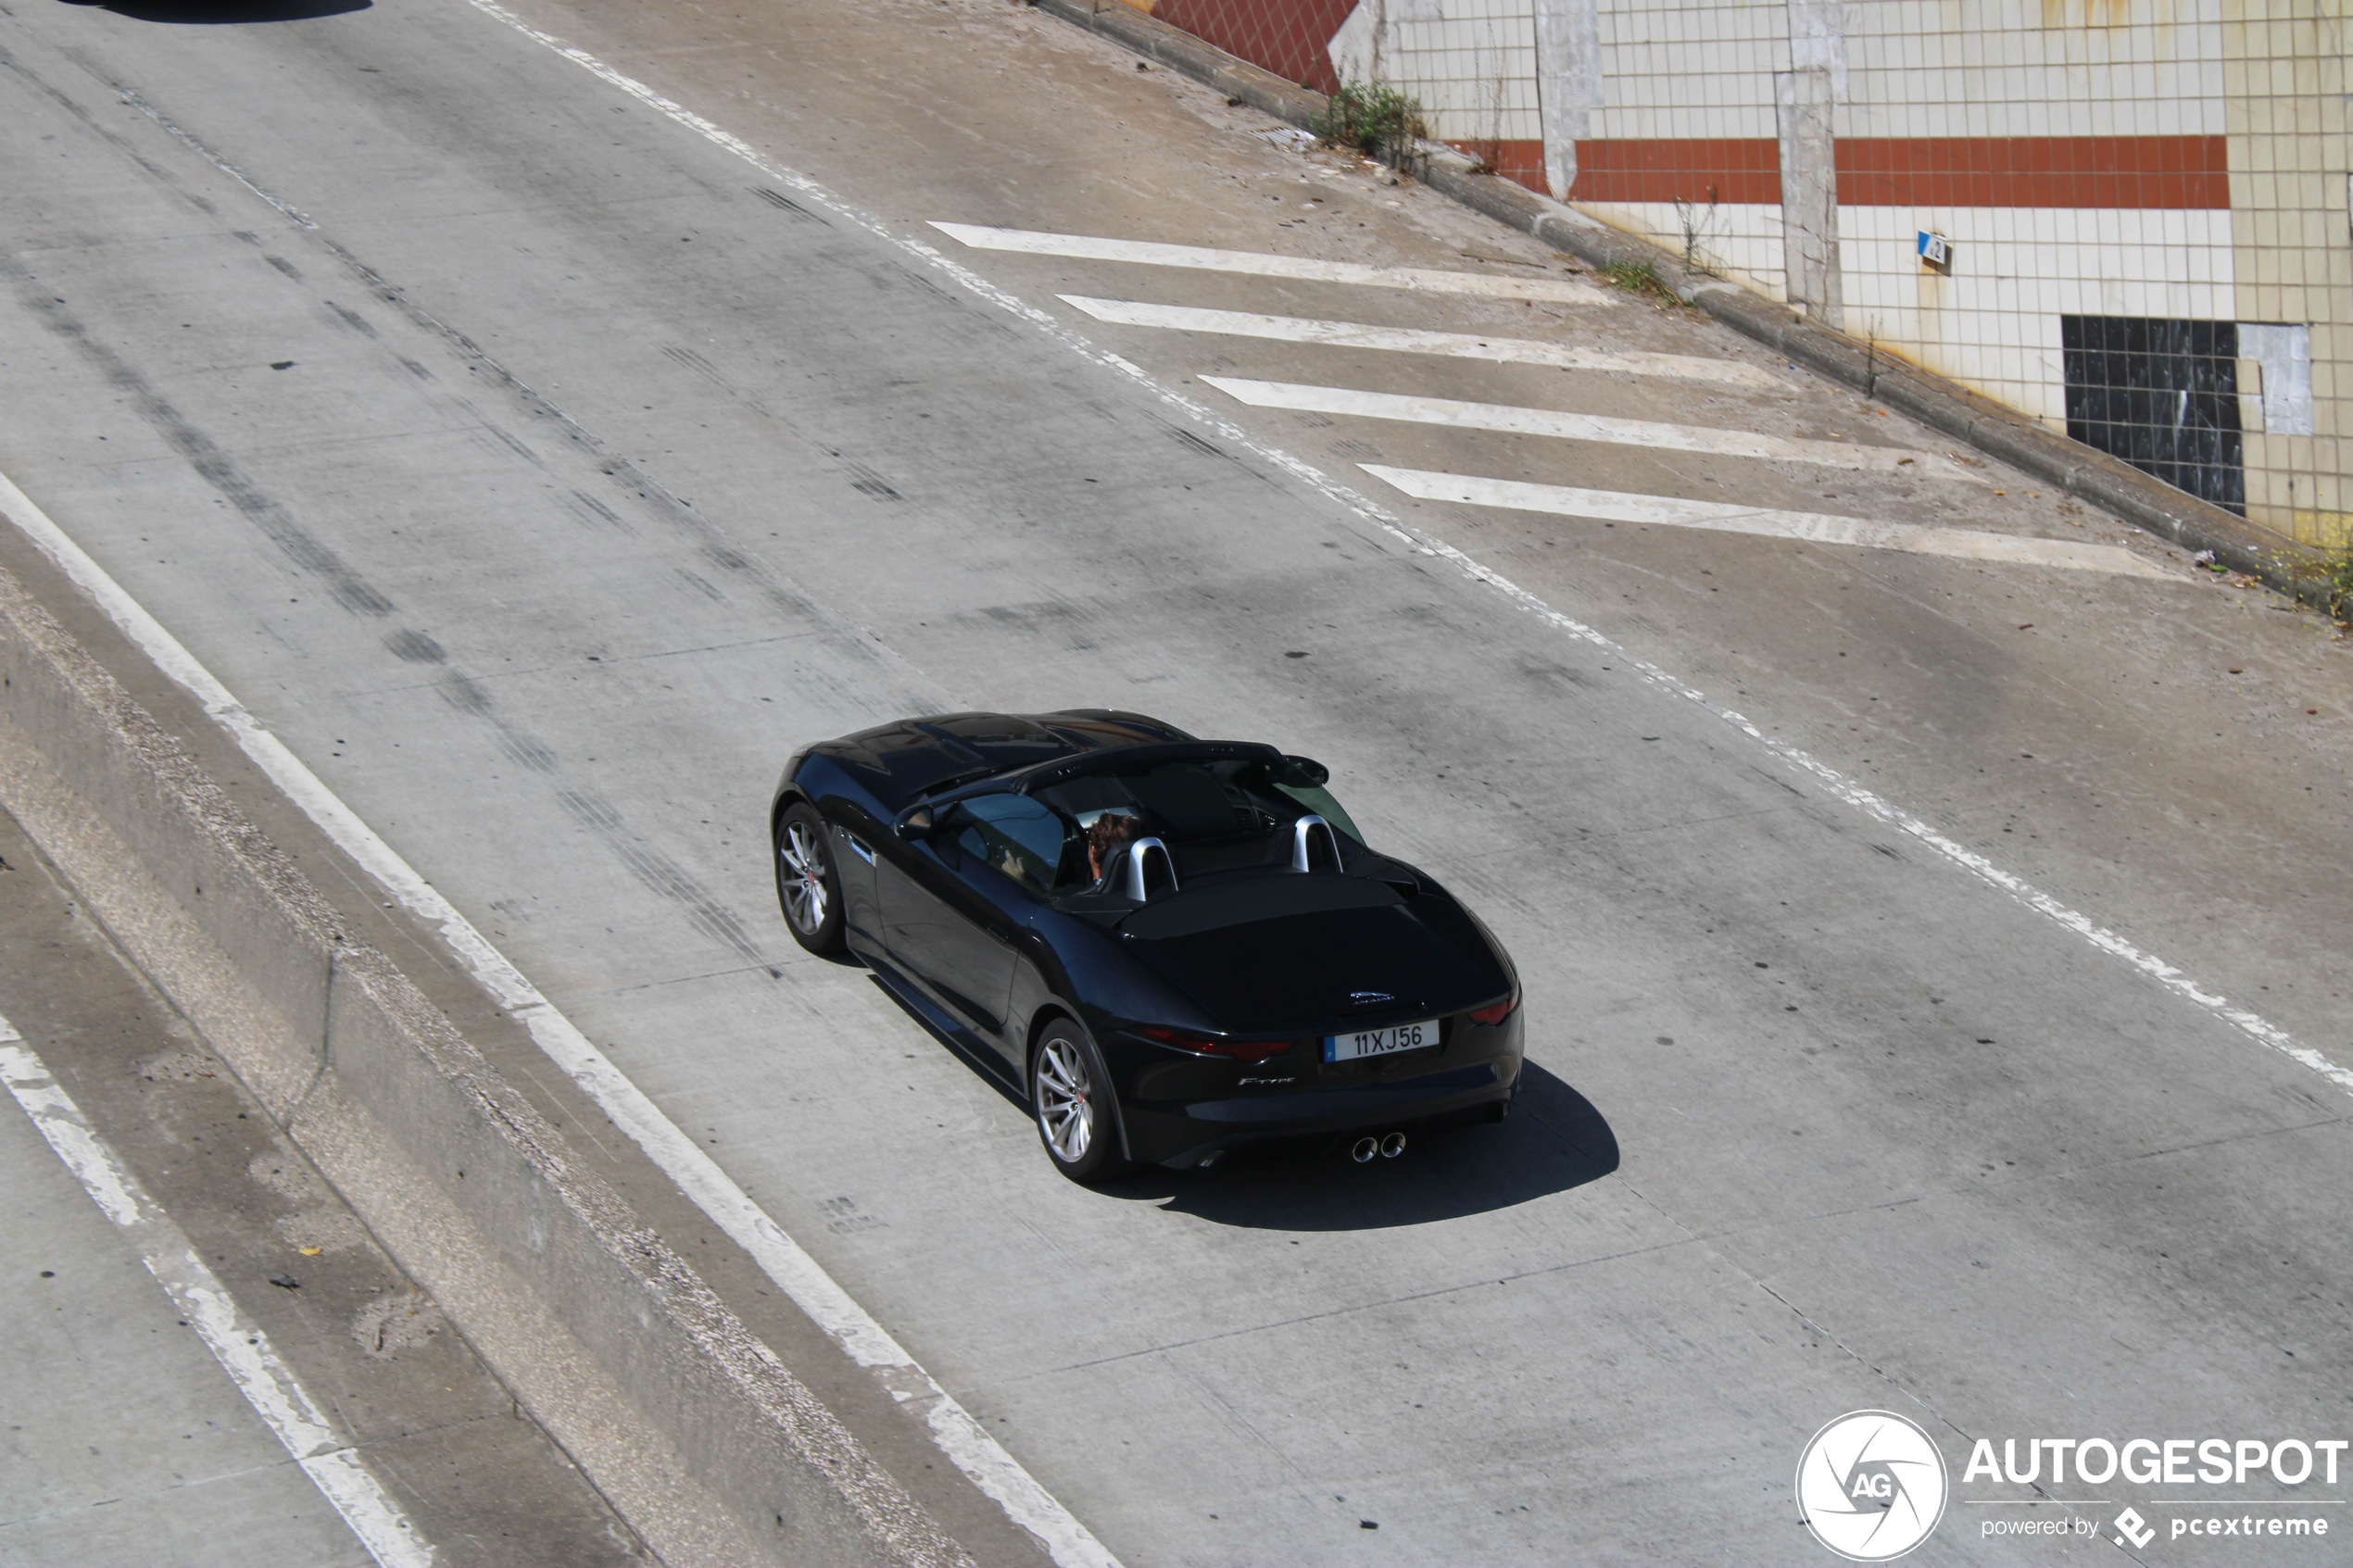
x=1286, y=38
x=1520, y=160
x=1663, y=169
x=2137, y=171
x=2112, y=171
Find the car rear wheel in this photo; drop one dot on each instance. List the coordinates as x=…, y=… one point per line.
x=1070, y=1096
x=807, y=886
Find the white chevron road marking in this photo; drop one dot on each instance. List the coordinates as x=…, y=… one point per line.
x=1515, y=420
x=1820, y=528
x=1407, y=340
x=1146, y=253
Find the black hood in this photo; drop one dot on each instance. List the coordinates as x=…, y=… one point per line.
x=1346, y=942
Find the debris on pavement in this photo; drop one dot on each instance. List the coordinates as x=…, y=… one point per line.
x=1288, y=137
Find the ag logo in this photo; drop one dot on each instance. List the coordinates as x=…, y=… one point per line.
x=1870, y=1485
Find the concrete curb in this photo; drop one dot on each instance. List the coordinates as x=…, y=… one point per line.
x=619, y=1349
x=1943, y=406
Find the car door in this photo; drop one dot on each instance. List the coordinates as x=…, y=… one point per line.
x=954, y=903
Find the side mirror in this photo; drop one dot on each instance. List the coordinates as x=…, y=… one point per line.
x=1309, y=772
x=914, y=825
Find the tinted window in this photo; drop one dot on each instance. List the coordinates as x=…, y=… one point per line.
x=1019, y=837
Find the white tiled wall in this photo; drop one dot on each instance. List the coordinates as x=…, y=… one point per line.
x=2033, y=67
x=1737, y=241
x=1691, y=69
x=2269, y=75
x=2285, y=78
x=1475, y=73
x=1472, y=63
x=1993, y=322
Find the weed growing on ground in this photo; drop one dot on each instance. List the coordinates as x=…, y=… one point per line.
x=1699, y=226
x=1637, y=277
x=1374, y=119
x=2334, y=574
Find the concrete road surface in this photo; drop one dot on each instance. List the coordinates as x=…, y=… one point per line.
x=544, y=468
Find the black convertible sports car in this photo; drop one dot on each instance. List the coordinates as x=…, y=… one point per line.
x=1176, y=945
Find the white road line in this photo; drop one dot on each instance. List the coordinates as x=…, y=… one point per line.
x=963, y=1440
x=1258, y=264
x=244, y=1352
x=1584, y=427
x=2252, y=1024
x=972, y=1448
x=1820, y=528
x=1407, y=340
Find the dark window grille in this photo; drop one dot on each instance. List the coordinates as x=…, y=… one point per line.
x=2163, y=396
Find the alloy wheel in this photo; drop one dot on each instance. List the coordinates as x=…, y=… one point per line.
x=804, y=880
x=1065, y=1111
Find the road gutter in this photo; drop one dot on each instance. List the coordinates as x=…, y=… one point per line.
x=1943, y=406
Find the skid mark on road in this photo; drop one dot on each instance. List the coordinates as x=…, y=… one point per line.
x=1421, y=541
x=1409, y=340
x=971, y=1447
x=664, y=876
x=198, y=450
x=1584, y=427
x=1724, y=516
x=1420, y=280
x=964, y=1442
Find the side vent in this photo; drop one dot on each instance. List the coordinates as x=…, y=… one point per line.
x=1314, y=846
x=1150, y=870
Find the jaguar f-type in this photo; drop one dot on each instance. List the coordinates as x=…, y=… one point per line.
x=1169, y=946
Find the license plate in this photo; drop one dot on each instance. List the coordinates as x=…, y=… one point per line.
x=1381, y=1042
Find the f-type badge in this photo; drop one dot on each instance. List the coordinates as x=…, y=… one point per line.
x=1368, y=999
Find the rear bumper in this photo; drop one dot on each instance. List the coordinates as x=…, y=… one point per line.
x=1181, y=1134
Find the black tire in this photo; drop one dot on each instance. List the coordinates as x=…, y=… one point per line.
x=808, y=888
x=1071, y=1100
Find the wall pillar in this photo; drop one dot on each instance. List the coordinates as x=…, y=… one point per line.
x=1805, y=99
x=1568, y=83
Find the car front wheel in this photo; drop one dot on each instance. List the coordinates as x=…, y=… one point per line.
x=807, y=886
x=1070, y=1096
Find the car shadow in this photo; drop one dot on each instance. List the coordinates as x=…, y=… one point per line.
x=1556, y=1139
x=224, y=12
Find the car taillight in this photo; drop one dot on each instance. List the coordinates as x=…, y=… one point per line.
x=1241, y=1050
x=1497, y=1014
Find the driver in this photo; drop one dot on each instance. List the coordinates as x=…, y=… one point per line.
x=1106, y=836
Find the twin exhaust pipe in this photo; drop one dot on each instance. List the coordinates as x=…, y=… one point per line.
x=1387, y=1147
